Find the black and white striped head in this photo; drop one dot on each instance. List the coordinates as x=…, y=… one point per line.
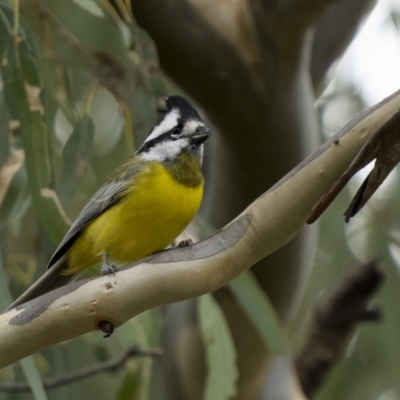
x=180, y=130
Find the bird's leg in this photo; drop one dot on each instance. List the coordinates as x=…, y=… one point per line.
x=106, y=268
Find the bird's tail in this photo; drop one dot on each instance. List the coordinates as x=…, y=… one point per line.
x=49, y=281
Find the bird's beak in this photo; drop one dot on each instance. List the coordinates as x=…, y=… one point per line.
x=200, y=136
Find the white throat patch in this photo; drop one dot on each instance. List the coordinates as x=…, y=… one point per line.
x=166, y=150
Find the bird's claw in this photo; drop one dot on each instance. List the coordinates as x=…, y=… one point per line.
x=185, y=243
x=108, y=269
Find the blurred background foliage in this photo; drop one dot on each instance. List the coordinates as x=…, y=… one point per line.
x=78, y=91
x=70, y=70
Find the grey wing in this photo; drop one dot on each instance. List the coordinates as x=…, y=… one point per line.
x=50, y=280
x=108, y=194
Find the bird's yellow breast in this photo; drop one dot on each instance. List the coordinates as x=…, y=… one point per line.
x=154, y=210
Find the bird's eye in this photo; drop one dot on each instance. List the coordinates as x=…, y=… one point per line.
x=177, y=130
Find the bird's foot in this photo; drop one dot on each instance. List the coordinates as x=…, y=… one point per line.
x=182, y=243
x=106, y=268
x=185, y=243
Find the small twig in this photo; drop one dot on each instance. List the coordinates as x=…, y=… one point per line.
x=85, y=372
x=387, y=157
x=333, y=324
x=384, y=146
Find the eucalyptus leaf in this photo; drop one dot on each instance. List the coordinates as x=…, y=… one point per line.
x=5, y=294
x=90, y=6
x=152, y=325
x=17, y=183
x=76, y=155
x=260, y=311
x=131, y=385
x=29, y=65
x=4, y=129
x=220, y=351
x=28, y=364
x=108, y=38
x=33, y=377
x=24, y=103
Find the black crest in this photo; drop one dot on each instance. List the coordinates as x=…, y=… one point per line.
x=186, y=109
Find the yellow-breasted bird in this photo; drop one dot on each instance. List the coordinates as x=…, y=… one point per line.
x=147, y=202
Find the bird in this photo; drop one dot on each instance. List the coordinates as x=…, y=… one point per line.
x=145, y=204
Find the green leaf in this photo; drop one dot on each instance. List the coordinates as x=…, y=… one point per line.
x=24, y=104
x=131, y=385
x=5, y=295
x=220, y=351
x=29, y=65
x=151, y=324
x=7, y=14
x=5, y=301
x=28, y=364
x=18, y=182
x=33, y=377
x=90, y=6
x=145, y=331
x=108, y=38
x=21, y=207
x=76, y=154
x=260, y=311
x=4, y=130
